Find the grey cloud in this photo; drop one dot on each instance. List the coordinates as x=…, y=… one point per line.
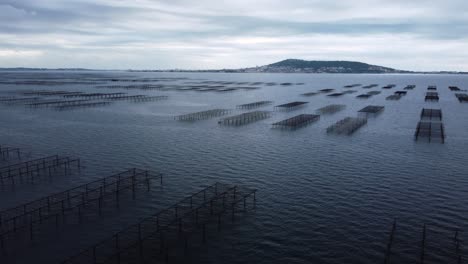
x=57, y=27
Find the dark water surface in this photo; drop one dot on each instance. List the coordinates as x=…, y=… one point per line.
x=321, y=198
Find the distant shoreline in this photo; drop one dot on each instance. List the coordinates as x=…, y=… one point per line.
x=222, y=71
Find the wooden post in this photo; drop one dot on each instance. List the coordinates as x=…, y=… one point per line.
x=31, y=230
x=133, y=187
x=233, y=211
x=185, y=244
x=390, y=242
x=423, y=244
x=94, y=255
x=117, y=247
x=204, y=233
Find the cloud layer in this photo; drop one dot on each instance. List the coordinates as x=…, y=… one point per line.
x=203, y=34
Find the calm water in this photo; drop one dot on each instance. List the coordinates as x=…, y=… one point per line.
x=321, y=198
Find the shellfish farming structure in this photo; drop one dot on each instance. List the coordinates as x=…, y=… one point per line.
x=364, y=96
x=81, y=105
x=335, y=94
x=430, y=131
x=432, y=87
x=309, y=94
x=394, y=97
x=430, y=128
x=296, y=121
x=331, y=109
x=347, y=126
x=138, y=98
x=290, y=106
x=372, y=109
x=370, y=86
x=368, y=94
x=349, y=92
x=432, y=96
x=410, y=87
x=462, y=98
x=95, y=95
x=57, y=103
x=418, y=247
x=245, y=118
x=30, y=170
x=389, y=86
x=49, y=93
x=352, y=85
x=327, y=90
x=254, y=105
x=21, y=223
x=15, y=100
x=166, y=235
x=431, y=114
x=203, y=115
x=8, y=152
x=454, y=88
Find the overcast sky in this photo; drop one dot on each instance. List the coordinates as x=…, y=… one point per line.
x=204, y=34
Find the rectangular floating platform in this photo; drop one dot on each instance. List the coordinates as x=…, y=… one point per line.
x=372, y=109
x=432, y=87
x=309, y=94
x=331, y=109
x=203, y=115
x=432, y=96
x=431, y=114
x=290, y=106
x=297, y=121
x=454, y=88
x=244, y=119
x=347, y=126
x=400, y=93
x=254, y=105
x=430, y=131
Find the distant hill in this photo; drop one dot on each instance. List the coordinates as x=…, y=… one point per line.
x=303, y=66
